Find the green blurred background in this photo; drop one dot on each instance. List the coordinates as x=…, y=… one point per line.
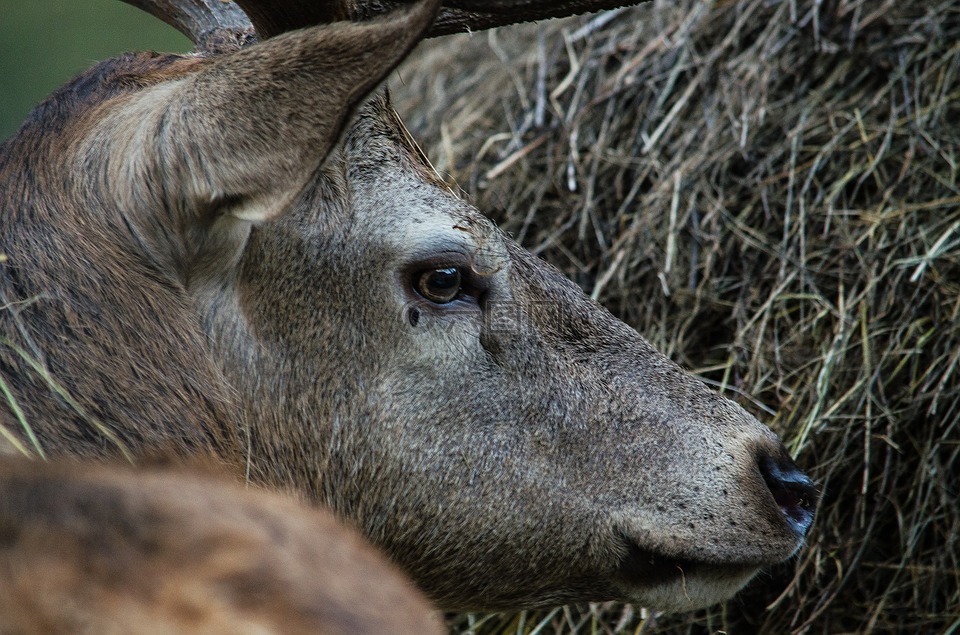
x=45, y=42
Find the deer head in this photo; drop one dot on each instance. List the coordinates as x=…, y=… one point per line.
x=239, y=252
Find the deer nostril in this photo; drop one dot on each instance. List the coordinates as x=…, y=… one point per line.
x=793, y=491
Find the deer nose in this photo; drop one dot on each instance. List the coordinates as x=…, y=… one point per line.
x=793, y=491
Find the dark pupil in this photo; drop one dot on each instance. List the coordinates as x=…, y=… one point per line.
x=440, y=285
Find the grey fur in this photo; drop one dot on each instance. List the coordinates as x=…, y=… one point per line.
x=207, y=267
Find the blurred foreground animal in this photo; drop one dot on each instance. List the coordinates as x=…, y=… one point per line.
x=239, y=254
x=98, y=549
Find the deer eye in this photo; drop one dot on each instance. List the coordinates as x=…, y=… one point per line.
x=439, y=285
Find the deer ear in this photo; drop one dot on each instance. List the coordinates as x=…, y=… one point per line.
x=246, y=131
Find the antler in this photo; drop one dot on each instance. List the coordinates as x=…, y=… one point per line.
x=276, y=17
x=272, y=18
x=202, y=20
x=475, y=15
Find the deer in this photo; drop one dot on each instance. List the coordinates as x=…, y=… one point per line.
x=241, y=256
x=166, y=548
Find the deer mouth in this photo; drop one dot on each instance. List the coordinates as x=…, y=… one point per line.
x=676, y=583
x=643, y=566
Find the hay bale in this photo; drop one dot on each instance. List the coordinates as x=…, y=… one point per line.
x=768, y=190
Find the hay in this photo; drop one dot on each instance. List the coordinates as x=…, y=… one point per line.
x=769, y=192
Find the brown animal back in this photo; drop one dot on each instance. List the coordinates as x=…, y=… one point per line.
x=105, y=549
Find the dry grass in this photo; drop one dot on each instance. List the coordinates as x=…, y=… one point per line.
x=769, y=191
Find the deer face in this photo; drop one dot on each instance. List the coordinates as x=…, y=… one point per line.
x=374, y=341
x=506, y=439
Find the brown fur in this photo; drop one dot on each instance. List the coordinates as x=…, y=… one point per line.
x=202, y=264
x=155, y=550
